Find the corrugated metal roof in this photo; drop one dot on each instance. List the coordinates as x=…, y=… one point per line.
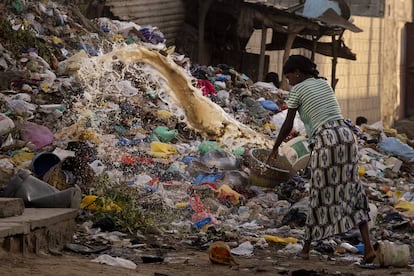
x=279, y=4
x=370, y=8
x=329, y=19
x=167, y=15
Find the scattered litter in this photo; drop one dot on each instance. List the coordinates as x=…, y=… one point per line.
x=244, y=249
x=114, y=261
x=146, y=143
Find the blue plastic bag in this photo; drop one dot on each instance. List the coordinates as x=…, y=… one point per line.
x=395, y=146
x=270, y=105
x=211, y=178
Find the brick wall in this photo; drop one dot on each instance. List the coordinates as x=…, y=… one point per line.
x=371, y=85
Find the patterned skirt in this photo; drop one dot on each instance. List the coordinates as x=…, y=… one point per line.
x=337, y=201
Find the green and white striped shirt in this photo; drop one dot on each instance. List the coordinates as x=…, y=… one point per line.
x=316, y=103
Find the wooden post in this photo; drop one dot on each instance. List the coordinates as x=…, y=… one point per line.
x=334, y=62
x=262, y=53
x=335, y=49
x=315, y=41
x=288, y=46
x=293, y=29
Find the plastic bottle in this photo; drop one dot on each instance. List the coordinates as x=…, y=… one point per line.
x=348, y=247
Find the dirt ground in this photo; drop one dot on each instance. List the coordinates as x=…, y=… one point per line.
x=186, y=263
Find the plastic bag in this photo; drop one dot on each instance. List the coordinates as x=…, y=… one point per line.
x=125, y=88
x=207, y=146
x=39, y=194
x=395, y=146
x=280, y=117
x=115, y=261
x=164, y=134
x=6, y=124
x=280, y=240
x=72, y=64
x=6, y=171
x=270, y=105
x=39, y=135
x=228, y=194
x=220, y=159
x=162, y=150
x=21, y=107
x=244, y=249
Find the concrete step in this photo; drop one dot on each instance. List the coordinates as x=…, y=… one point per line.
x=38, y=229
x=10, y=207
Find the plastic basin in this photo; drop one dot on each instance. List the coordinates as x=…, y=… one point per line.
x=262, y=174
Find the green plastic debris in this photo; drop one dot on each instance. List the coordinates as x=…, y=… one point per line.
x=153, y=138
x=62, y=108
x=164, y=134
x=208, y=146
x=173, y=169
x=18, y=6
x=238, y=151
x=130, y=40
x=151, y=93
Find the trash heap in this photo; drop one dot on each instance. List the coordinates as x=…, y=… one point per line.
x=101, y=115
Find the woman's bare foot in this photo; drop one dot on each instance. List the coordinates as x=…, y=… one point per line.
x=304, y=254
x=369, y=257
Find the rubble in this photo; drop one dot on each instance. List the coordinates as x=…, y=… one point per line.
x=158, y=147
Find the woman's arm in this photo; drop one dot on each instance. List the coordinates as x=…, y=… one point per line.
x=283, y=133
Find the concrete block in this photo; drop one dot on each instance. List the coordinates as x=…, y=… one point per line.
x=37, y=229
x=10, y=229
x=10, y=207
x=42, y=217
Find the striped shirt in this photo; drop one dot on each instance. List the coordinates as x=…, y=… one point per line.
x=316, y=103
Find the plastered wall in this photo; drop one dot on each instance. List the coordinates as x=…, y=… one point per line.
x=371, y=85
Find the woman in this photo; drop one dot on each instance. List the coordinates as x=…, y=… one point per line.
x=272, y=77
x=337, y=201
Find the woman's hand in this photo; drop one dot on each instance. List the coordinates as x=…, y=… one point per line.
x=272, y=158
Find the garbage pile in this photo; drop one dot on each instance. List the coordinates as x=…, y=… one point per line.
x=103, y=116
